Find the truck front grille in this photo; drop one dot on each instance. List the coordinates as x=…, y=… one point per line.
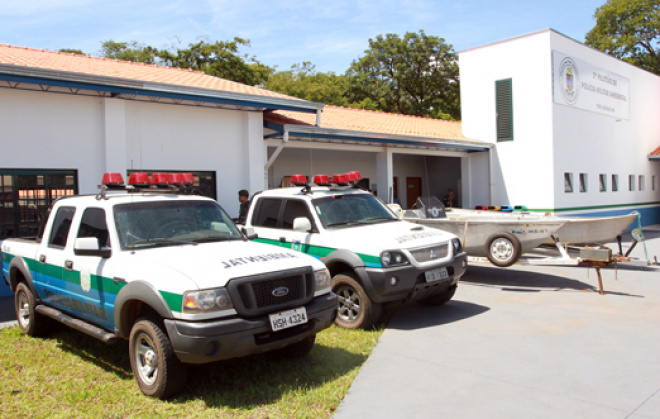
x=271, y=292
x=428, y=254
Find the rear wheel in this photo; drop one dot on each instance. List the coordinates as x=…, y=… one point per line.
x=503, y=249
x=158, y=371
x=30, y=322
x=356, y=310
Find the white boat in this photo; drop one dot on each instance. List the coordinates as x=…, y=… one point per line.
x=500, y=239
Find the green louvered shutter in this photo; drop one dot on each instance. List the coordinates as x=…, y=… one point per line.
x=504, y=109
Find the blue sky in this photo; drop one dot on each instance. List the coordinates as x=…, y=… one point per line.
x=330, y=34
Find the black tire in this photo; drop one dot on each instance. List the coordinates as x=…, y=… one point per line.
x=30, y=322
x=356, y=310
x=158, y=371
x=503, y=249
x=440, y=298
x=298, y=349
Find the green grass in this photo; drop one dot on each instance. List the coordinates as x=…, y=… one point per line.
x=68, y=374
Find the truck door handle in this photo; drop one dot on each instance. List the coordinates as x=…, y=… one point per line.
x=68, y=265
x=283, y=239
x=42, y=259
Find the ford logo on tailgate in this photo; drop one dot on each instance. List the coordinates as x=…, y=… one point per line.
x=280, y=291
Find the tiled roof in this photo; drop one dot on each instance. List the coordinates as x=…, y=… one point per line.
x=656, y=152
x=335, y=117
x=74, y=63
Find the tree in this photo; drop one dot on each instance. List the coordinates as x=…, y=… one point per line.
x=629, y=30
x=220, y=59
x=413, y=75
x=304, y=82
x=72, y=51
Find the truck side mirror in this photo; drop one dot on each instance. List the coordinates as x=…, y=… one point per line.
x=89, y=246
x=249, y=233
x=302, y=224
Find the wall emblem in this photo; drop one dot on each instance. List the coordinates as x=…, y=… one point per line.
x=569, y=80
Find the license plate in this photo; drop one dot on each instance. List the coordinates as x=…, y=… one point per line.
x=436, y=275
x=289, y=318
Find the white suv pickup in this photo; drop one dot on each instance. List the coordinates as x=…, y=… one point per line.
x=374, y=257
x=173, y=275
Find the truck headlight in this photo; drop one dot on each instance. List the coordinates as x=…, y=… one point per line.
x=393, y=258
x=205, y=301
x=456, y=244
x=323, y=280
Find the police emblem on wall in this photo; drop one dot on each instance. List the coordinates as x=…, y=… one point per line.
x=569, y=80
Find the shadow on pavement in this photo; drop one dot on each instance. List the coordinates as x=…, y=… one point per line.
x=413, y=316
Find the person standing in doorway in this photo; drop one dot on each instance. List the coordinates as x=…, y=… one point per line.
x=243, y=196
x=450, y=199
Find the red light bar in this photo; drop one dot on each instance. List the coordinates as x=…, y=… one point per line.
x=112, y=179
x=139, y=179
x=162, y=179
x=354, y=176
x=299, y=180
x=339, y=179
x=322, y=180
x=182, y=178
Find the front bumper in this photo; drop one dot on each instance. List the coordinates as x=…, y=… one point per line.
x=411, y=280
x=208, y=341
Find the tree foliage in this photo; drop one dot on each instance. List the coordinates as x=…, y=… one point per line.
x=304, y=82
x=71, y=51
x=413, y=75
x=629, y=29
x=220, y=59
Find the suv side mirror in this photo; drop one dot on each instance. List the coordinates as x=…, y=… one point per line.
x=302, y=224
x=89, y=246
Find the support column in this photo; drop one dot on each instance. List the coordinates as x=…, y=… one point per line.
x=385, y=175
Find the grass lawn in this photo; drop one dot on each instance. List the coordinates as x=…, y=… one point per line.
x=68, y=374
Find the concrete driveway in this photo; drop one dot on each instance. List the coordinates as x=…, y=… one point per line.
x=521, y=342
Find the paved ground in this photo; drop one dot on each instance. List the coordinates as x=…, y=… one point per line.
x=522, y=342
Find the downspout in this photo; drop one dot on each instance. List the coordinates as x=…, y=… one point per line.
x=318, y=118
x=490, y=177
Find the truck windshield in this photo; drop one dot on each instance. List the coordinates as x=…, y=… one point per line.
x=163, y=223
x=351, y=209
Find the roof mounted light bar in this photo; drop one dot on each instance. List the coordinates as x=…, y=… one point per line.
x=141, y=182
x=338, y=181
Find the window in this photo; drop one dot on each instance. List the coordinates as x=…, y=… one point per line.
x=602, y=181
x=292, y=210
x=584, y=182
x=93, y=225
x=615, y=183
x=61, y=227
x=568, y=182
x=504, y=109
x=267, y=212
x=631, y=182
x=26, y=195
x=641, y=184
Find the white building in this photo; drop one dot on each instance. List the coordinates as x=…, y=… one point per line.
x=574, y=129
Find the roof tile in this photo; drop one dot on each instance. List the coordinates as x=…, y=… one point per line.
x=107, y=67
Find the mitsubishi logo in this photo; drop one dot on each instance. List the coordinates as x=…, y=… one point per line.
x=433, y=255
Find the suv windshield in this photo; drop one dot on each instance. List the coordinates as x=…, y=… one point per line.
x=351, y=209
x=164, y=223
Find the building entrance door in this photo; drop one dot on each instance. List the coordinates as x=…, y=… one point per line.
x=413, y=190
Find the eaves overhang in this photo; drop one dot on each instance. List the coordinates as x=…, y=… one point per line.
x=654, y=157
x=332, y=135
x=14, y=76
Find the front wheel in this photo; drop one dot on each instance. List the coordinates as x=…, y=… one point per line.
x=503, y=249
x=158, y=371
x=356, y=310
x=30, y=322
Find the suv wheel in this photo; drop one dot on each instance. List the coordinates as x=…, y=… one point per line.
x=356, y=310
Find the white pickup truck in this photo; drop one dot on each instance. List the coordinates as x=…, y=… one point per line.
x=172, y=274
x=374, y=257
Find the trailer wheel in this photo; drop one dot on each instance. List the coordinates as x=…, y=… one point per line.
x=503, y=249
x=356, y=310
x=30, y=322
